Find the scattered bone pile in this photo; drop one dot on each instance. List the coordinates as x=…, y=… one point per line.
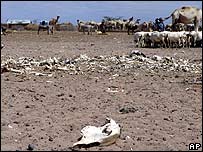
x=83, y=64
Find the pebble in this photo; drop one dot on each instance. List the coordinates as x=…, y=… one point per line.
x=167, y=119
x=51, y=139
x=9, y=126
x=127, y=110
x=138, y=138
x=27, y=106
x=30, y=147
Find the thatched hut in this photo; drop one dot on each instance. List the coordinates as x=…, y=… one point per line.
x=17, y=24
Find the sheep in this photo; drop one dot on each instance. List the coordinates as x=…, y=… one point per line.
x=196, y=38
x=139, y=38
x=88, y=27
x=158, y=37
x=85, y=26
x=177, y=38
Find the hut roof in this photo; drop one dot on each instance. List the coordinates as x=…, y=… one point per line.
x=18, y=22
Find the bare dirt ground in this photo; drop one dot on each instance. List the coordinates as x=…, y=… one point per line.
x=156, y=111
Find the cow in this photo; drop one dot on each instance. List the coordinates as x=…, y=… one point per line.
x=146, y=27
x=169, y=27
x=85, y=26
x=179, y=27
x=44, y=25
x=132, y=25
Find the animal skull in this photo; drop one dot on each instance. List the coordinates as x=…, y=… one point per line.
x=104, y=135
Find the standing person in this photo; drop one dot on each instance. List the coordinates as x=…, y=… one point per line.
x=102, y=27
x=156, y=25
x=161, y=26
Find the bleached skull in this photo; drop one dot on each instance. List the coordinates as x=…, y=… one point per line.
x=104, y=135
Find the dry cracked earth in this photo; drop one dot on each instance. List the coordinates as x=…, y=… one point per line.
x=54, y=85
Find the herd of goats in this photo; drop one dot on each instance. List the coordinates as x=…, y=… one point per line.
x=149, y=35
x=185, y=30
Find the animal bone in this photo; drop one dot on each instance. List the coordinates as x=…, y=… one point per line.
x=41, y=74
x=15, y=71
x=104, y=135
x=63, y=68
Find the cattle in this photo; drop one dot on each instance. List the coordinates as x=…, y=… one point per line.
x=179, y=27
x=45, y=26
x=132, y=25
x=145, y=27
x=168, y=27
x=190, y=27
x=150, y=26
x=120, y=24
x=94, y=24
x=110, y=25
x=102, y=27
x=85, y=27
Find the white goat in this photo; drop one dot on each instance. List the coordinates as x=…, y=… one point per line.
x=158, y=37
x=85, y=26
x=196, y=37
x=177, y=38
x=139, y=38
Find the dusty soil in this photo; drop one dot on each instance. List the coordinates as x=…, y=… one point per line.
x=156, y=111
